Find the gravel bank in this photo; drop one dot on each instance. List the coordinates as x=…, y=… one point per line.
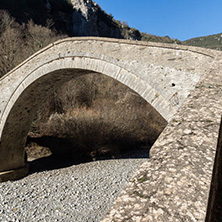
x=80, y=193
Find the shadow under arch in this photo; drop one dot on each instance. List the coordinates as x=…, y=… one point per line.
x=40, y=83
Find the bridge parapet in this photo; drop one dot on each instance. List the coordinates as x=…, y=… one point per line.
x=174, y=185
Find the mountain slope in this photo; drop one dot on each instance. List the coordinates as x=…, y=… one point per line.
x=210, y=41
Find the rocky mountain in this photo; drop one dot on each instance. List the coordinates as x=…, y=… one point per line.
x=88, y=19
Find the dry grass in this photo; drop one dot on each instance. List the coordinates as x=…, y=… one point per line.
x=95, y=114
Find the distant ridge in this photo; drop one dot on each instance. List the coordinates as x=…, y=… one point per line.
x=210, y=41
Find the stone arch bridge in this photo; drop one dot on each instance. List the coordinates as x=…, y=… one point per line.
x=164, y=75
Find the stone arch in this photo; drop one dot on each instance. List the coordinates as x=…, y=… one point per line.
x=19, y=111
x=149, y=69
x=129, y=79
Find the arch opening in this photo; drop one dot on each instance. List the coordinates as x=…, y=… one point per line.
x=94, y=117
x=18, y=122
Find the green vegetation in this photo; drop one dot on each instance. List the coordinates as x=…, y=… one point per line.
x=143, y=179
x=154, y=38
x=210, y=41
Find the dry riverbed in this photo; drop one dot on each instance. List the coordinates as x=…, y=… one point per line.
x=61, y=190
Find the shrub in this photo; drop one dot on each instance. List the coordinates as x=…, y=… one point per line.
x=100, y=113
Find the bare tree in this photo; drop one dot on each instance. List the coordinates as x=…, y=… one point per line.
x=11, y=43
x=6, y=21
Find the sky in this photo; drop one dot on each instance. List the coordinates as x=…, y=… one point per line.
x=180, y=19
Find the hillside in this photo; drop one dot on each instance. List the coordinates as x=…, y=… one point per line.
x=210, y=41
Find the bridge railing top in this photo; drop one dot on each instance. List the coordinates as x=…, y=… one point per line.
x=203, y=51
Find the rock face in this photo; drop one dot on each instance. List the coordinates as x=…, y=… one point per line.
x=70, y=17
x=90, y=20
